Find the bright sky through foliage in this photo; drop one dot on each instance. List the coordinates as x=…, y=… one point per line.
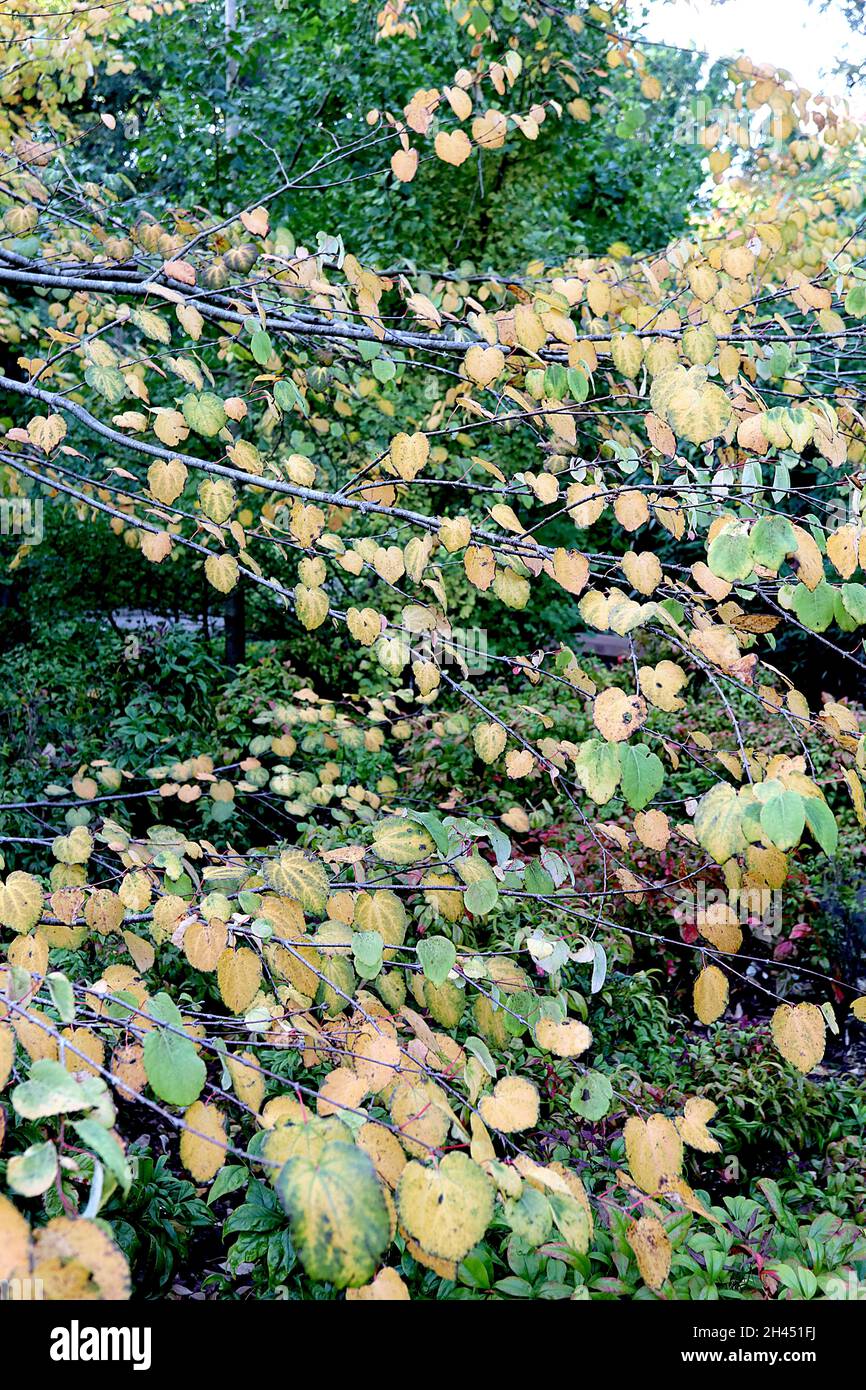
x=793, y=34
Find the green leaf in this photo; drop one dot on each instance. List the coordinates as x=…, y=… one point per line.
x=730, y=554
x=228, y=1180
x=367, y=952
x=855, y=301
x=436, y=955
x=591, y=1096
x=62, y=996
x=32, y=1172
x=107, y=381
x=530, y=1216
x=481, y=897
x=822, y=823
x=261, y=347
x=717, y=823
x=814, y=607
x=204, y=413
x=536, y=879
x=854, y=600
x=52, y=1090
x=772, y=539
x=783, y=818
x=642, y=774
x=340, y=1222
x=106, y=1147
x=598, y=769
x=288, y=397
x=174, y=1069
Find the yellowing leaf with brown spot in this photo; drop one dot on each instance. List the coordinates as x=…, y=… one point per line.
x=652, y=1250
x=617, y=715
x=569, y=568
x=202, y=1152
x=567, y=1039
x=447, y=1208
x=513, y=1106
x=661, y=685
x=654, y=1151
x=800, y=1034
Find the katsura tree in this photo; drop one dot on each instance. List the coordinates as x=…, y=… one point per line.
x=372, y=449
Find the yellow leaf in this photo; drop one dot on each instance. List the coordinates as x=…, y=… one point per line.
x=203, y=1141
x=799, y=1032
x=567, y=1039
x=692, y=1124
x=222, y=572
x=247, y=1079
x=167, y=480
x=617, y=715
x=446, y=1208
x=652, y=1250
x=710, y=994
x=239, y=974
x=454, y=147
x=404, y=165
x=489, y=740
x=483, y=365
x=654, y=1151
x=387, y=1287
x=513, y=1106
